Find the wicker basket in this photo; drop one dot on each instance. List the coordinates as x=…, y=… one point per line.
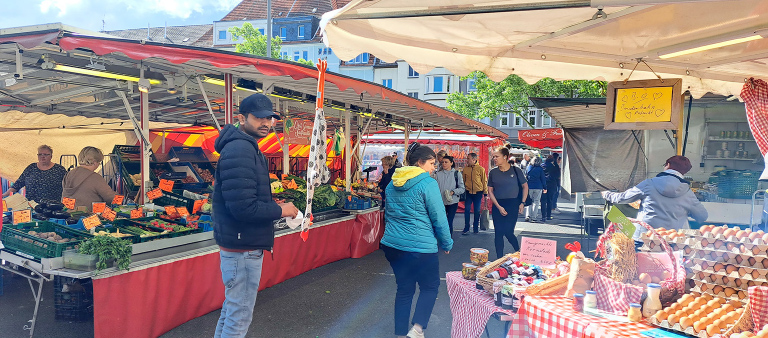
x=743, y=324
x=548, y=287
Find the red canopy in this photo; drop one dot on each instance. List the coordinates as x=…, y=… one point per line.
x=542, y=138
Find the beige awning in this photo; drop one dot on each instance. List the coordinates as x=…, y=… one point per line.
x=562, y=39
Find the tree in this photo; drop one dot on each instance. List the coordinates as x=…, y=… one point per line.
x=511, y=95
x=253, y=42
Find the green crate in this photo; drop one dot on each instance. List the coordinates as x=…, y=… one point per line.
x=133, y=168
x=175, y=200
x=17, y=238
x=175, y=233
x=130, y=153
x=124, y=223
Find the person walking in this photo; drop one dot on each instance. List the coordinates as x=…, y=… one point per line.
x=416, y=225
x=243, y=211
x=525, y=162
x=451, y=186
x=552, y=172
x=476, y=184
x=508, y=190
x=559, y=165
x=537, y=182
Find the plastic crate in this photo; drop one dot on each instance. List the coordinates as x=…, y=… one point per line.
x=16, y=238
x=186, y=167
x=124, y=223
x=357, y=203
x=73, y=298
x=175, y=200
x=188, y=154
x=143, y=223
x=133, y=168
x=130, y=153
x=737, y=184
x=204, y=166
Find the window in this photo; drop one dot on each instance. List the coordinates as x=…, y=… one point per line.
x=305, y=55
x=471, y=87
x=546, y=121
x=532, y=115
x=360, y=59
x=414, y=95
x=412, y=73
x=261, y=30
x=222, y=35
x=301, y=32
x=283, y=33
x=504, y=120
x=284, y=55
x=387, y=83
x=519, y=121
x=438, y=84
x=296, y=56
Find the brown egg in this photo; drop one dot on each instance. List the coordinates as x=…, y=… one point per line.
x=751, y=283
x=705, y=287
x=713, y=329
x=730, y=246
x=736, y=305
x=743, y=249
x=726, y=280
x=730, y=268
x=765, y=263
x=645, y=278
x=740, y=234
x=701, y=324
x=686, y=299
x=727, y=308
x=717, y=289
x=756, y=250
x=680, y=314
x=707, y=297
x=717, y=231
x=661, y=315
x=688, y=250
x=756, y=273
x=686, y=322
x=729, y=232
x=673, y=318
x=742, y=294
x=699, y=313
x=713, y=303
x=704, y=265
x=751, y=261
x=739, y=282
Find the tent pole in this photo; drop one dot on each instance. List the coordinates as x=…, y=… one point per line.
x=679, y=143
x=228, y=104
x=145, y=147
x=407, y=134
x=208, y=104
x=286, y=146
x=347, y=151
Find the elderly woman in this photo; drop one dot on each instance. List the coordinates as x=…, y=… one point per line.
x=42, y=179
x=86, y=186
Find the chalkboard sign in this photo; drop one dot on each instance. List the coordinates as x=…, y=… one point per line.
x=644, y=104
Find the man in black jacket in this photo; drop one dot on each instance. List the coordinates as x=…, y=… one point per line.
x=243, y=211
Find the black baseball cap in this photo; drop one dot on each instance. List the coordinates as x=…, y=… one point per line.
x=258, y=105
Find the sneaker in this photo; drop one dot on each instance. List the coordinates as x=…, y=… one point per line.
x=476, y=232
x=415, y=334
x=465, y=233
x=556, y=210
x=528, y=219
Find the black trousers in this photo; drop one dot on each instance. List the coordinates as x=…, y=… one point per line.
x=504, y=226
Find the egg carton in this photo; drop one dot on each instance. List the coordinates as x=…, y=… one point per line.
x=730, y=270
x=737, y=259
x=676, y=327
x=740, y=283
x=733, y=238
x=751, y=249
x=706, y=290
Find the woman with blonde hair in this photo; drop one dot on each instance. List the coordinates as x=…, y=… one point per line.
x=84, y=185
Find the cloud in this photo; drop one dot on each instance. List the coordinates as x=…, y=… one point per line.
x=61, y=5
x=175, y=8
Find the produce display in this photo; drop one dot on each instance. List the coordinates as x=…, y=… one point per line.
x=205, y=174
x=142, y=232
x=116, y=234
x=106, y=248
x=699, y=314
x=189, y=179
x=297, y=197
x=49, y=236
x=167, y=226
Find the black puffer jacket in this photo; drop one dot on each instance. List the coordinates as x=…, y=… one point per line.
x=243, y=209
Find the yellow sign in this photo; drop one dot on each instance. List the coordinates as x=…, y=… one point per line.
x=653, y=104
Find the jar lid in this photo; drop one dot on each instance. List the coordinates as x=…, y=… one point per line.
x=590, y=292
x=654, y=286
x=469, y=265
x=635, y=305
x=578, y=295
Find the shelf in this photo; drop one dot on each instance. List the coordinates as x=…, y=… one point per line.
x=732, y=139
x=729, y=159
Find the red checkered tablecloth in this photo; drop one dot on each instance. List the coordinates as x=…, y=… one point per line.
x=553, y=316
x=471, y=308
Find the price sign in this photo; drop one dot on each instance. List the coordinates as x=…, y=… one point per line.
x=5, y=206
x=538, y=251
x=170, y=210
x=137, y=213
x=99, y=207
x=118, y=200
x=198, y=205
x=22, y=216
x=155, y=194
x=91, y=222
x=182, y=211
x=69, y=203
x=166, y=185
x=109, y=214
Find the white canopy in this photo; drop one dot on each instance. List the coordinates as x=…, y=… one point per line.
x=571, y=39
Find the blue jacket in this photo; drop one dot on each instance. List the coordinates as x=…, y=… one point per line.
x=416, y=217
x=243, y=209
x=536, y=178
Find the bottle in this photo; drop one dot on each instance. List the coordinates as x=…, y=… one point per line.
x=590, y=300
x=578, y=302
x=634, y=314
x=652, y=302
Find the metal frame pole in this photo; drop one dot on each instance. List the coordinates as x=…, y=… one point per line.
x=347, y=151
x=229, y=115
x=146, y=148
x=286, y=146
x=208, y=104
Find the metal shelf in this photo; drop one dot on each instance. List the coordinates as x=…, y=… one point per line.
x=729, y=159
x=732, y=139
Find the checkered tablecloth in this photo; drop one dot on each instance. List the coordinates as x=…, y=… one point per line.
x=471, y=308
x=553, y=316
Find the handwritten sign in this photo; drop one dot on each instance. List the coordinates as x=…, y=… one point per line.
x=170, y=210
x=300, y=132
x=22, y=216
x=644, y=104
x=118, y=200
x=183, y=212
x=616, y=216
x=137, y=213
x=91, y=222
x=109, y=214
x=198, y=205
x=155, y=194
x=541, y=252
x=99, y=207
x=166, y=185
x=69, y=203
x=5, y=206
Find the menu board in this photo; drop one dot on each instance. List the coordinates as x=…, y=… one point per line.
x=644, y=104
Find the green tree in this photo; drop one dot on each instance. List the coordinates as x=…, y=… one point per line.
x=253, y=42
x=511, y=95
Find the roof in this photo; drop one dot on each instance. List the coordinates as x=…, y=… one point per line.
x=257, y=9
x=190, y=35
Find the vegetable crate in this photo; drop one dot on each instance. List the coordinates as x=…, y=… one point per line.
x=201, y=167
x=188, y=154
x=133, y=168
x=357, y=203
x=17, y=238
x=73, y=298
x=130, y=153
x=737, y=184
x=175, y=200
x=110, y=228
x=186, y=167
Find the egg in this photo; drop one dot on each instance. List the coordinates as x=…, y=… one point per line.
x=741, y=234
x=751, y=284
x=717, y=289
x=655, y=279
x=718, y=267
x=673, y=318
x=739, y=258
x=738, y=283
x=728, y=232
x=742, y=271
x=765, y=263
x=756, y=273
x=730, y=268
x=680, y=314
x=661, y=315
x=701, y=324
x=717, y=231
x=707, y=297
x=726, y=280
x=704, y=265
x=704, y=287
x=699, y=313
x=704, y=242
x=765, y=238
x=686, y=322
x=753, y=236
x=742, y=294
x=756, y=251
x=727, y=308
x=686, y=299
x=645, y=278
x=713, y=329
x=743, y=249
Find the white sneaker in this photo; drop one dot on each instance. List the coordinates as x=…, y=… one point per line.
x=557, y=211
x=415, y=334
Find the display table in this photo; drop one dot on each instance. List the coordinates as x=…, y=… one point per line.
x=471, y=308
x=553, y=316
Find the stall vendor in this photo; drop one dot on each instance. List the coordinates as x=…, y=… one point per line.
x=42, y=179
x=667, y=199
x=86, y=186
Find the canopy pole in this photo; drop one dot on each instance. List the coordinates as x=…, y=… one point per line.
x=229, y=115
x=407, y=134
x=145, y=147
x=286, y=146
x=347, y=151
x=208, y=104
x=679, y=147
x=163, y=146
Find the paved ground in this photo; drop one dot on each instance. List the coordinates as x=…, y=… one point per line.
x=348, y=298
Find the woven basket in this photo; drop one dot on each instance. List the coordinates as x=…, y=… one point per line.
x=743, y=324
x=548, y=287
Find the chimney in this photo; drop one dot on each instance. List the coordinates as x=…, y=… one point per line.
x=148, y=37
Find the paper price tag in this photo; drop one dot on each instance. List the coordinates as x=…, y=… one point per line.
x=109, y=214
x=541, y=252
x=616, y=216
x=91, y=222
x=118, y=200
x=22, y=216
x=198, y=205
x=166, y=185
x=99, y=207
x=69, y=203
x=137, y=213
x=170, y=210
x=5, y=206
x=182, y=211
x=155, y=194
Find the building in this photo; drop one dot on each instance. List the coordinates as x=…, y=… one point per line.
x=190, y=35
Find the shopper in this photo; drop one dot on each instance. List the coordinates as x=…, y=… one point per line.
x=508, y=190
x=559, y=162
x=476, y=184
x=243, y=211
x=667, y=199
x=416, y=224
x=537, y=182
x=525, y=162
x=42, y=179
x=552, y=172
x=451, y=186
x=84, y=185
x=387, y=165
x=397, y=162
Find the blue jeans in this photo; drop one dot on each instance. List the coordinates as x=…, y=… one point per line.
x=411, y=268
x=241, y=273
x=475, y=199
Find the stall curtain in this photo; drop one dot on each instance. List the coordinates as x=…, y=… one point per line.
x=603, y=159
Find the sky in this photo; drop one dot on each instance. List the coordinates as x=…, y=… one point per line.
x=113, y=14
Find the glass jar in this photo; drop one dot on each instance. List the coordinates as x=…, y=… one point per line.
x=578, y=302
x=590, y=300
x=634, y=315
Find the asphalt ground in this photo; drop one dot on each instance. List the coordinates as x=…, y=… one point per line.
x=348, y=298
